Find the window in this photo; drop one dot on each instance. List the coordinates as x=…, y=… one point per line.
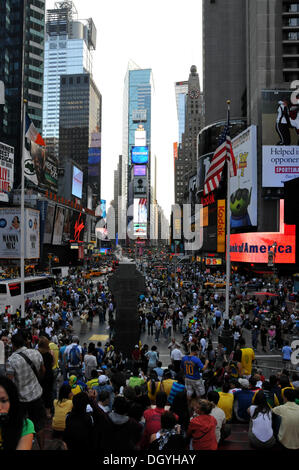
x=2, y=289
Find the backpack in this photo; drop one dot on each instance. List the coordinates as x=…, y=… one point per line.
x=74, y=356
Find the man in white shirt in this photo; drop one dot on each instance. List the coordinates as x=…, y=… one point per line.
x=176, y=357
x=222, y=430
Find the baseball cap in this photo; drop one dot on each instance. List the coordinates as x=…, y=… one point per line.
x=244, y=383
x=103, y=379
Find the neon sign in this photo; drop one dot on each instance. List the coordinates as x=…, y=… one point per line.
x=79, y=226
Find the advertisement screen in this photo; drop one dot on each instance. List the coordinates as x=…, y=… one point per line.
x=58, y=226
x=66, y=225
x=280, y=138
x=49, y=224
x=243, y=187
x=10, y=233
x=140, y=211
x=6, y=171
x=94, y=156
x=139, y=155
x=140, y=170
x=77, y=182
x=41, y=168
x=254, y=247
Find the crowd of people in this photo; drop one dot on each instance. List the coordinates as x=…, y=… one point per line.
x=90, y=396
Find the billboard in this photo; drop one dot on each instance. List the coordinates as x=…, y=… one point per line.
x=10, y=233
x=58, y=226
x=49, y=224
x=140, y=186
x=41, y=168
x=140, y=217
x=6, y=171
x=95, y=141
x=280, y=138
x=77, y=182
x=221, y=226
x=66, y=225
x=140, y=170
x=139, y=155
x=243, y=187
x=140, y=138
x=254, y=247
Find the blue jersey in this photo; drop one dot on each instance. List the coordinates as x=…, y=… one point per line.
x=192, y=367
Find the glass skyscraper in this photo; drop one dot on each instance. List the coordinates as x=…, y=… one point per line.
x=68, y=51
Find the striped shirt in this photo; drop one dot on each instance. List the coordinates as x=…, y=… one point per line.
x=175, y=389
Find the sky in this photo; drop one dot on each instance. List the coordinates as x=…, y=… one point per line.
x=164, y=35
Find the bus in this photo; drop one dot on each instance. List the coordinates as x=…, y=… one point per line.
x=36, y=288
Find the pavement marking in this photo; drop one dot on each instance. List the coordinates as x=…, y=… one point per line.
x=98, y=338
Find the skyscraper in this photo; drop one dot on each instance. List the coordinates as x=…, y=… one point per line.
x=186, y=163
x=137, y=111
x=80, y=120
x=21, y=68
x=68, y=50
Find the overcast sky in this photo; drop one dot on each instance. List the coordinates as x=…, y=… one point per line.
x=164, y=35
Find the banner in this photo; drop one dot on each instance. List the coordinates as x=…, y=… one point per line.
x=243, y=187
x=49, y=222
x=221, y=226
x=280, y=137
x=6, y=171
x=10, y=233
x=40, y=168
x=58, y=226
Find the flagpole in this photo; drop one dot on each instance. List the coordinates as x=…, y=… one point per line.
x=228, y=267
x=22, y=248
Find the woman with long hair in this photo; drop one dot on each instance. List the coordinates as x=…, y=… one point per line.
x=16, y=432
x=260, y=433
x=62, y=406
x=153, y=387
x=79, y=425
x=48, y=377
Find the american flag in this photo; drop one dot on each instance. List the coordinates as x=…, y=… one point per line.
x=223, y=153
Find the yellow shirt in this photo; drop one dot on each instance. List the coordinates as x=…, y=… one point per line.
x=226, y=402
x=167, y=384
x=61, y=409
x=288, y=433
x=151, y=396
x=246, y=361
x=55, y=353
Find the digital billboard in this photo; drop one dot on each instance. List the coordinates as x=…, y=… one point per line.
x=280, y=138
x=243, y=187
x=77, y=183
x=253, y=247
x=58, y=226
x=139, y=155
x=140, y=170
x=6, y=171
x=49, y=224
x=140, y=210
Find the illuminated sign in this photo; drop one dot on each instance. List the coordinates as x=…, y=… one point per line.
x=221, y=226
x=139, y=155
x=140, y=170
x=213, y=261
x=78, y=227
x=77, y=182
x=206, y=201
x=254, y=247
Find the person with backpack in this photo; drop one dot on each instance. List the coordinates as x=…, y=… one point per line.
x=73, y=355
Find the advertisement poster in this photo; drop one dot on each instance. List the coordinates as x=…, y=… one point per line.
x=243, y=187
x=10, y=233
x=58, y=226
x=66, y=226
x=40, y=168
x=280, y=138
x=221, y=226
x=77, y=183
x=49, y=222
x=6, y=171
x=139, y=155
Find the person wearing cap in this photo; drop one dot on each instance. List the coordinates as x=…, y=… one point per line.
x=76, y=385
x=105, y=384
x=243, y=400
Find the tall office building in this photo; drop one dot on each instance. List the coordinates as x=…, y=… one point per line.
x=185, y=164
x=181, y=91
x=68, y=50
x=21, y=69
x=79, y=126
x=224, y=58
x=137, y=113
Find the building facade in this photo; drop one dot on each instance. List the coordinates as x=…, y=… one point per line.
x=22, y=27
x=69, y=50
